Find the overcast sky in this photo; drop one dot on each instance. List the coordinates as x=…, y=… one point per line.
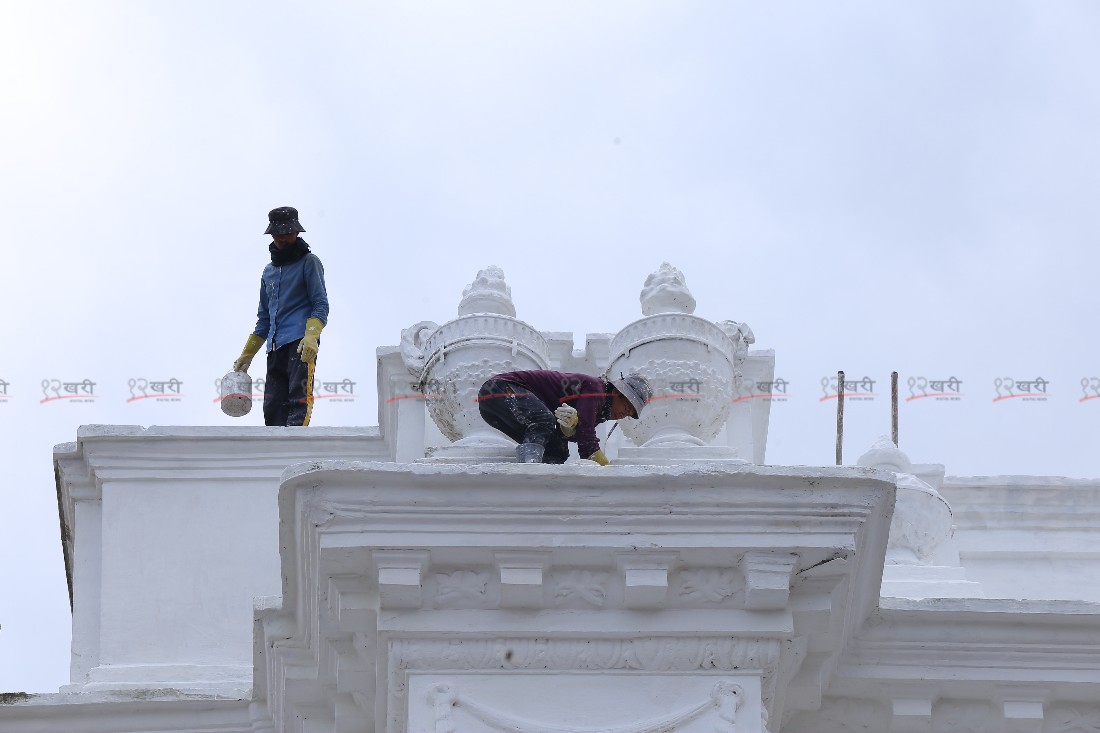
x=910, y=186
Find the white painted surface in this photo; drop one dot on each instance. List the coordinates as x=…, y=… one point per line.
x=582, y=702
x=325, y=581
x=1028, y=537
x=615, y=573
x=174, y=534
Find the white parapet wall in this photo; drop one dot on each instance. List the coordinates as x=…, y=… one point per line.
x=170, y=534
x=1027, y=537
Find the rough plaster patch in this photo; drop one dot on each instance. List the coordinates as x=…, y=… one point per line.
x=10, y=698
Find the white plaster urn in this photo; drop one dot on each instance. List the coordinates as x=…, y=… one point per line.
x=922, y=517
x=691, y=363
x=452, y=361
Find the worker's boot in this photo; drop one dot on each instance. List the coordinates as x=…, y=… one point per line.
x=529, y=453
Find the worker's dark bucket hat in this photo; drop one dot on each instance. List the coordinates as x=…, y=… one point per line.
x=283, y=220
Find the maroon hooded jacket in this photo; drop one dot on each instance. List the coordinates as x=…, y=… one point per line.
x=586, y=394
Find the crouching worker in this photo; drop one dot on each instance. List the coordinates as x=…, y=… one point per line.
x=544, y=410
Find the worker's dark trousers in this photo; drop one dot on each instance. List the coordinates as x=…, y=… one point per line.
x=523, y=417
x=288, y=392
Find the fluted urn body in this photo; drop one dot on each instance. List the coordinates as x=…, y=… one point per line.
x=691, y=363
x=463, y=353
x=452, y=361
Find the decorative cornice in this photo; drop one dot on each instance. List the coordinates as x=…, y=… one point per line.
x=133, y=453
x=1024, y=503
x=128, y=711
x=605, y=560
x=963, y=645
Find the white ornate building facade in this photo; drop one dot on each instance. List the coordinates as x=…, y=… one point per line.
x=412, y=578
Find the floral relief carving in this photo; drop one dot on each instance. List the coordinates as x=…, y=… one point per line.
x=691, y=401
x=413, y=340
x=586, y=654
x=660, y=654
x=742, y=336
x=585, y=586
x=708, y=585
x=462, y=587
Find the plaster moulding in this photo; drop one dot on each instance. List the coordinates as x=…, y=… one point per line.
x=435, y=571
x=1025, y=503
x=975, y=649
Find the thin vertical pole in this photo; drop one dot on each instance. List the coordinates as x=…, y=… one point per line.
x=894, y=407
x=839, y=418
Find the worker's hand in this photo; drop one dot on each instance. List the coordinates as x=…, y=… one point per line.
x=307, y=347
x=567, y=419
x=599, y=458
x=251, y=346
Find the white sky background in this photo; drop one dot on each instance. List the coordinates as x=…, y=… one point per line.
x=871, y=186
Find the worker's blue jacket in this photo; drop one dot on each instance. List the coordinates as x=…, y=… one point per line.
x=290, y=294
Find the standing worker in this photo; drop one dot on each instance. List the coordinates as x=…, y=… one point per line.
x=544, y=410
x=293, y=310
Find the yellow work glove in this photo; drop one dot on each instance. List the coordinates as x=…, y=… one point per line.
x=599, y=458
x=307, y=347
x=251, y=346
x=567, y=419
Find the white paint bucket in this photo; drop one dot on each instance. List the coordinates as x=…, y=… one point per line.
x=236, y=394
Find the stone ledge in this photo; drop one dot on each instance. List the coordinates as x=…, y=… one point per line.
x=217, y=432
x=794, y=475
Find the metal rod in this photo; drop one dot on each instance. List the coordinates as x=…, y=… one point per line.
x=894, y=407
x=839, y=418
